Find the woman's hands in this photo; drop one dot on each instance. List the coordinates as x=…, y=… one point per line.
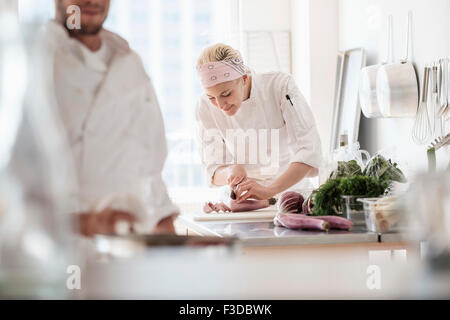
x=245, y=188
x=251, y=189
x=236, y=175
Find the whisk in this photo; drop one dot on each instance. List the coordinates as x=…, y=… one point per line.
x=422, y=128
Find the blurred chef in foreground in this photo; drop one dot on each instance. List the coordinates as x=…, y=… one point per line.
x=113, y=121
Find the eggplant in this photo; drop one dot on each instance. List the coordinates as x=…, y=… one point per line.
x=294, y=221
x=246, y=205
x=337, y=222
x=308, y=205
x=250, y=205
x=209, y=207
x=290, y=202
x=300, y=221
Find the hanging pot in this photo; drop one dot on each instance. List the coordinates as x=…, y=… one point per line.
x=397, y=86
x=368, y=80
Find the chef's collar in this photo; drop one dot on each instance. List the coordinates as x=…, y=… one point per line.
x=253, y=91
x=97, y=60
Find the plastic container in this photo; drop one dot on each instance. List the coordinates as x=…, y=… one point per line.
x=381, y=214
x=353, y=210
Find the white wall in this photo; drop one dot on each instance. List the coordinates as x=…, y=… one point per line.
x=362, y=23
x=8, y=4
x=314, y=39
x=265, y=34
x=315, y=45
x=322, y=27
x=265, y=15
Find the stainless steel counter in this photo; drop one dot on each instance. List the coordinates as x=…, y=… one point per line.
x=265, y=233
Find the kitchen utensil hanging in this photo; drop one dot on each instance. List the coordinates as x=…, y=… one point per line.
x=434, y=104
x=444, y=87
x=440, y=95
x=422, y=129
x=440, y=142
x=440, y=120
x=447, y=70
x=435, y=146
x=368, y=80
x=397, y=87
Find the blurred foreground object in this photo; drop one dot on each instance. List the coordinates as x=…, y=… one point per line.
x=428, y=207
x=36, y=177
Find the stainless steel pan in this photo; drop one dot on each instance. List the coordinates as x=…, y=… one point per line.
x=397, y=86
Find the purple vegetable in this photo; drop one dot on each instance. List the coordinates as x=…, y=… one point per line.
x=300, y=221
x=337, y=222
x=217, y=207
x=246, y=205
x=208, y=207
x=308, y=205
x=233, y=194
x=249, y=205
x=290, y=202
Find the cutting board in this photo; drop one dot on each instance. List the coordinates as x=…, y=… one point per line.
x=266, y=213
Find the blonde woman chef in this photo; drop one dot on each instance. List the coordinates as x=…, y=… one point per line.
x=236, y=101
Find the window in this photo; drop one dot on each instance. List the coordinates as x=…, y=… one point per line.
x=168, y=35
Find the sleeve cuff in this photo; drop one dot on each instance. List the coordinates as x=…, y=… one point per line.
x=210, y=171
x=154, y=215
x=314, y=160
x=156, y=203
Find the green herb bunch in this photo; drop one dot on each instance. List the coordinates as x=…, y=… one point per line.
x=327, y=199
x=384, y=169
x=349, y=179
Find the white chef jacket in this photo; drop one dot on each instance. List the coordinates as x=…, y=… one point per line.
x=266, y=108
x=114, y=125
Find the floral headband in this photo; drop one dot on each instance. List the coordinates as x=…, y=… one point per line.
x=213, y=73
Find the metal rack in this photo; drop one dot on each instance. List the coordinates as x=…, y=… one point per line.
x=440, y=107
